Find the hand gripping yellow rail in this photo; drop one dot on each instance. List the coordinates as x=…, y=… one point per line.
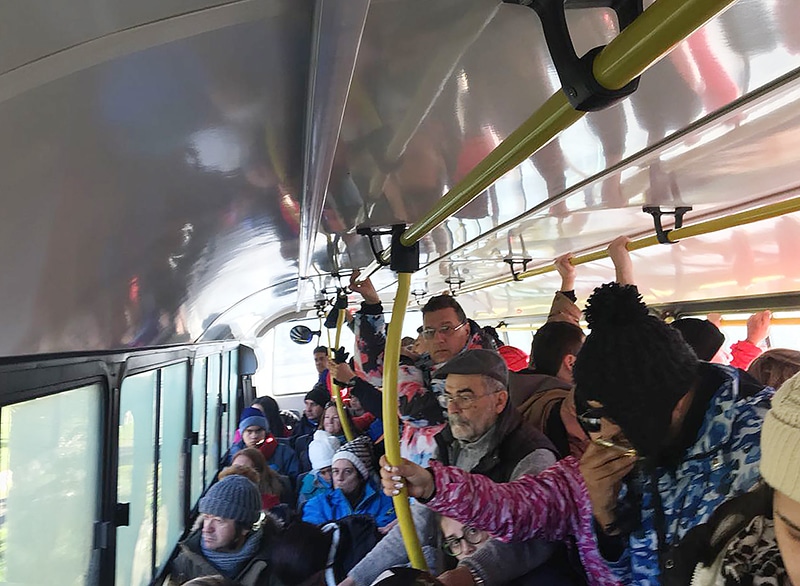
x=337, y=392
x=391, y=427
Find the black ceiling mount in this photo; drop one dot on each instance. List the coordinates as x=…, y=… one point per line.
x=404, y=259
x=515, y=260
x=578, y=82
x=657, y=212
x=373, y=236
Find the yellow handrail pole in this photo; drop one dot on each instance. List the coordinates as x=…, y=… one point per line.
x=337, y=392
x=765, y=212
x=646, y=40
x=391, y=425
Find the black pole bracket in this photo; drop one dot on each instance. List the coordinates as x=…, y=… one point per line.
x=404, y=259
x=373, y=236
x=578, y=82
x=657, y=212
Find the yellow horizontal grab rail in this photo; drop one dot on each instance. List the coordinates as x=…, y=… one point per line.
x=765, y=212
x=646, y=40
x=391, y=426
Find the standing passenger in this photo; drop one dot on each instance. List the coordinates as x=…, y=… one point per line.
x=447, y=333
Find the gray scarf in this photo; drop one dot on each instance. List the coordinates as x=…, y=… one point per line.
x=230, y=563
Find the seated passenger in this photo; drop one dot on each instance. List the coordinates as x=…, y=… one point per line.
x=272, y=488
x=671, y=441
x=269, y=407
x=354, y=492
x=315, y=401
x=228, y=543
x=485, y=435
x=774, y=367
x=255, y=434
x=331, y=423
x=461, y=541
x=319, y=481
x=756, y=540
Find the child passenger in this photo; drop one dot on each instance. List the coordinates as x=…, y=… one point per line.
x=319, y=480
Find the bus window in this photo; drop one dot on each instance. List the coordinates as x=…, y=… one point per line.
x=136, y=474
x=198, y=427
x=172, y=425
x=49, y=479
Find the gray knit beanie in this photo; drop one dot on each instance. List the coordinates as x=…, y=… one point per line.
x=233, y=497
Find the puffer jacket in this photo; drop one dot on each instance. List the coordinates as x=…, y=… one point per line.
x=552, y=505
x=417, y=391
x=334, y=505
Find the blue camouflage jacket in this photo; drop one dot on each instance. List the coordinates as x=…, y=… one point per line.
x=722, y=464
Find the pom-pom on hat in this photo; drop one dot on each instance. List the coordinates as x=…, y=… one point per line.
x=321, y=449
x=359, y=453
x=252, y=417
x=634, y=364
x=780, y=440
x=233, y=497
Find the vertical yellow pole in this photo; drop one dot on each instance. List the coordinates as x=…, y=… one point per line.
x=391, y=362
x=337, y=392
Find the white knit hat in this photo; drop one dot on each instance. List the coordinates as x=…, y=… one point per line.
x=780, y=440
x=321, y=449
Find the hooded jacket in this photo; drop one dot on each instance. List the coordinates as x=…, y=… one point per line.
x=417, y=391
x=334, y=505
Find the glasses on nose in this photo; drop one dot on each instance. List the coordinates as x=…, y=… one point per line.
x=462, y=402
x=446, y=331
x=454, y=546
x=590, y=420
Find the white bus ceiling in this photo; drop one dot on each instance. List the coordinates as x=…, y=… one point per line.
x=163, y=164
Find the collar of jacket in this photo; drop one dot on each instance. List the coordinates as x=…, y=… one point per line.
x=717, y=426
x=508, y=423
x=369, y=494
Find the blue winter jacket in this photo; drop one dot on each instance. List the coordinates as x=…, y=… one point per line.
x=334, y=505
x=722, y=464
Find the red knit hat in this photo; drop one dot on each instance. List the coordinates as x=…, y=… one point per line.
x=515, y=358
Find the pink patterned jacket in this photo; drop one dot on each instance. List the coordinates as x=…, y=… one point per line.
x=552, y=505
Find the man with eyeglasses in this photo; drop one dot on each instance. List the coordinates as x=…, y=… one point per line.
x=484, y=435
x=446, y=333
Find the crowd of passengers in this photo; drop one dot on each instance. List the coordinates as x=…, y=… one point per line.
x=643, y=453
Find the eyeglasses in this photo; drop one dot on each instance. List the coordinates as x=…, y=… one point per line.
x=453, y=545
x=446, y=331
x=462, y=402
x=590, y=420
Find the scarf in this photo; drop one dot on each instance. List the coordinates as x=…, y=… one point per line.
x=752, y=557
x=230, y=563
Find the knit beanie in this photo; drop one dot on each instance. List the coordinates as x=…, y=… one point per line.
x=703, y=336
x=359, y=453
x=321, y=449
x=780, y=440
x=319, y=394
x=233, y=497
x=250, y=417
x=634, y=364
